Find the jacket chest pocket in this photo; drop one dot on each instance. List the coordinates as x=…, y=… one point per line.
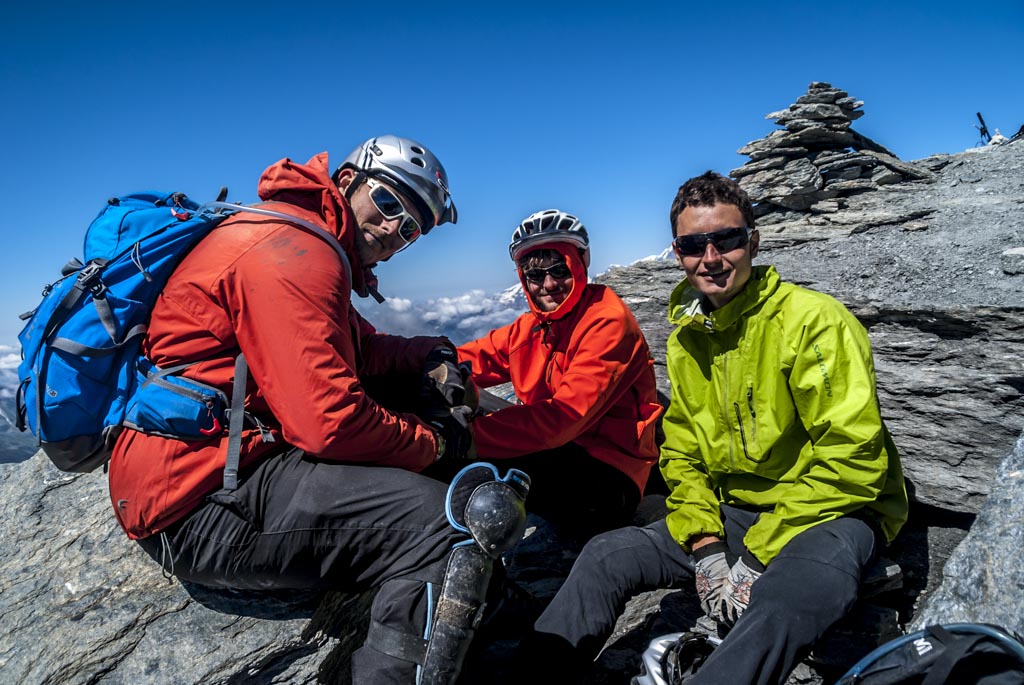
x=764, y=417
x=745, y=413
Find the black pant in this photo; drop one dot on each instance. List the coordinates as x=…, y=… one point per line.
x=808, y=587
x=298, y=523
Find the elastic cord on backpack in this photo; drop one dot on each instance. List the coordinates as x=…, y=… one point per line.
x=166, y=556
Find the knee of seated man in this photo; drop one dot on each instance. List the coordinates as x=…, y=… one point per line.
x=792, y=586
x=613, y=551
x=846, y=544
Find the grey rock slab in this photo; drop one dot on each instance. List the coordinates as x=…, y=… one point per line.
x=883, y=175
x=815, y=111
x=834, y=162
x=768, y=143
x=984, y=577
x=784, y=152
x=845, y=186
x=83, y=604
x=829, y=96
x=798, y=176
x=906, y=169
x=759, y=165
x=796, y=125
x=846, y=173
x=825, y=207
x=1012, y=261
x=821, y=136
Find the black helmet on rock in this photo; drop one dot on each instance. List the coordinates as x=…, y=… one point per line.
x=413, y=169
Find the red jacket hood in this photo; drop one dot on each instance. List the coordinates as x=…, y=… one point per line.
x=310, y=187
x=579, y=282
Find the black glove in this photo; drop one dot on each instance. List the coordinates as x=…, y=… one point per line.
x=446, y=383
x=455, y=436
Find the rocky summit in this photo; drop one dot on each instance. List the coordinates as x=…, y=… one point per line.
x=929, y=263
x=818, y=160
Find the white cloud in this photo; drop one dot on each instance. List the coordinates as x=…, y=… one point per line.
x=10, y=357
x=399, y=304
x=9, y=360
x=462, y=318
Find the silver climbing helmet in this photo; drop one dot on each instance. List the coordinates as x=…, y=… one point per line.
x=548, y=226
x=413, y=168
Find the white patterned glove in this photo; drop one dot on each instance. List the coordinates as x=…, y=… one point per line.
x=710, y=573
x=736, y=591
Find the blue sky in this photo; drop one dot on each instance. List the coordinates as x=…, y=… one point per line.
x=600, y=109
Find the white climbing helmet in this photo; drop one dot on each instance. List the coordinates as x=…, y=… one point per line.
x=413, y=169
x=549, y=226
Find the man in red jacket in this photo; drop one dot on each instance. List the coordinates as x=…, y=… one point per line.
x=329, y=495
x=584, y=377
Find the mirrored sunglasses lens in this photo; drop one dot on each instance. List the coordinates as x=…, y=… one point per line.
x=730, y=240
x=410, y=230
x=386, y=202
x=556, y=271
x=724, y=241
x=690, y=245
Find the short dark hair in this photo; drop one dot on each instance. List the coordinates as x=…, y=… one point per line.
x=535, y=257
x=707, y=190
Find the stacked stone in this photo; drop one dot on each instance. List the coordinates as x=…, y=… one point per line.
x=818, y=159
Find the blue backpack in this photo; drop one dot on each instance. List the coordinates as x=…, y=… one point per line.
x=82, y=377
x=960, y=653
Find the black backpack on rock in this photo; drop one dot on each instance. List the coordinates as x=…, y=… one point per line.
x=957, y=653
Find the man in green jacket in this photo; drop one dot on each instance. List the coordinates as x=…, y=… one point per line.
x=783, y=479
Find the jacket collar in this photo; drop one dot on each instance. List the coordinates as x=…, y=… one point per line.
x=685, y=307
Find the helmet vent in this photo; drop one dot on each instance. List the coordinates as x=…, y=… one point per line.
x=418, y=150
x=418, y=162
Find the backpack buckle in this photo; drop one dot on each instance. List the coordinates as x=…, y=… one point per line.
x=89, y=279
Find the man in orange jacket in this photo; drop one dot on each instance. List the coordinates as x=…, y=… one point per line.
x=329, y=494
x=584, y=377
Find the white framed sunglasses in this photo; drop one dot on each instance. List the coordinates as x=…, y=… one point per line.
x=390, y=207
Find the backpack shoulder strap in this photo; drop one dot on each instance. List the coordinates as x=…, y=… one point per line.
x=294, y=220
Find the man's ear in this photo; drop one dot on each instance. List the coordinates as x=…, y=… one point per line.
x=343, y=179
x=755, y=240
x=675, y=252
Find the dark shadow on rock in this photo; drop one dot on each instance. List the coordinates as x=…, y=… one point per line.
x=921, y=549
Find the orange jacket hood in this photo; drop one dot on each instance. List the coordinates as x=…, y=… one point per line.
x=579, y=282
x=310, y=186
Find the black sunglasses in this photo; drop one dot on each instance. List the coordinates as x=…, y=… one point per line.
x=556, y=271
x=724, y=240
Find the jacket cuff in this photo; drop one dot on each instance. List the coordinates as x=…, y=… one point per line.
x=752, y=562
x=709, y=549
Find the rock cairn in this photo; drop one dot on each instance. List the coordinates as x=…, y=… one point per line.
x=818, y=159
